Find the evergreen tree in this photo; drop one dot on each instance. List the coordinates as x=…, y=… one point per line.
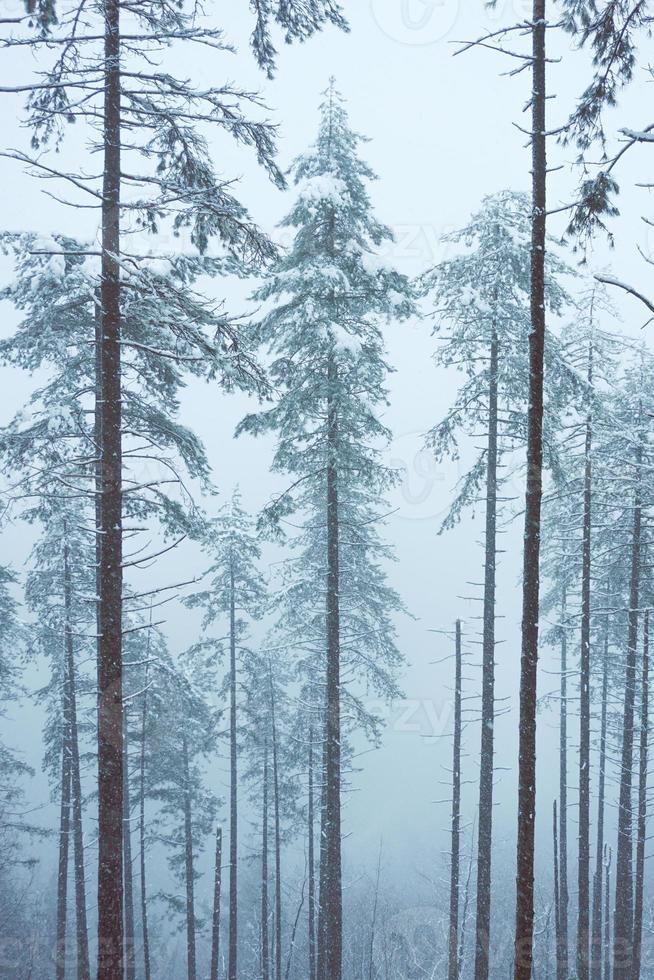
x=328, y=297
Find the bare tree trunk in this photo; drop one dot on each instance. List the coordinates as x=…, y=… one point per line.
x=624, y=907
x=110, y=695
x=485, y=831
x=144, y=896
x=190, y=873
x=524, y=932
x=312, y=867
x=607, y=914
x=83, y=963
x=130, y=962
x=560, y=975
x=563, y=791
x=373, y=924
x=642, y=807
x=583, y=866
x=265, y=943
x=596, y=945
x=232, y=965
x=453, y=952
x=64, y=841
x=278, y=835
x=217, y=883
x=330, y=926
x=464, y=914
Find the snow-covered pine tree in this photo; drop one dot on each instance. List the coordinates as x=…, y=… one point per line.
x=328, y=298
x=182, y=734
x=59, y=592
x=163, y=177
x=481, y=302
x=235, y=595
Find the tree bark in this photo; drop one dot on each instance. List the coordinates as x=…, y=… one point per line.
x=278, y=838
x=453, y=951
x=524, y=932
x=330, y=927
x=110, y=695
x=217, y=883
x=485, y=829
x=188, y=852
x=560, y=975
x=563, y=791
x=144, y=896
x=64, y=841
x=623, y=922
x=265, y=943
x=130, y=961
x=583, y=866
x=83, y=963
x=607, y=915
x=232, y=965
x=642, y=806
x=596, y=945
x=312, y=866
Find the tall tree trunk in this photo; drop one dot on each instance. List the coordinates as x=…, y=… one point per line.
x=64, y=840
x=485, y=831
x=464, y=913
x=607, y=914
x=583, y=866
x=278, y=837
x=110, y=695
x=560, y=975
x=524, y=932
x=144, y=895
x=596, y=945
x=130, y=962
x=232, y=965
x=330, y=927
x=265, y=942
x=563, y=791
x=642, y=806
x=453, y=951
x=189, y=868
x=624, y=908
x=83, y=963
x=312, y=866
x=217, y=883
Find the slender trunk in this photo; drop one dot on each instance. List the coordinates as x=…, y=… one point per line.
x=83, y=963
x=642, y=807
x=524, y=932
x=233, y=789
x=607, y=914
x=560, y=975
x=189, y=869
x=373, y=924
x=144, y=896
x=330, y=928
x=265, y=943
x=312, y=867
x=453, y=953
x=583, y=866
x=278, y=837
x=464, y=914
x=624, y=922
x=596, y=945
x=110, y=699
x=563, y=791
x=64, y=841
x=130, y=962
x=217, y=883
x=485, y=831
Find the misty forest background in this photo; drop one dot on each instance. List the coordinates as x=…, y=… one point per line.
x=327, y=490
